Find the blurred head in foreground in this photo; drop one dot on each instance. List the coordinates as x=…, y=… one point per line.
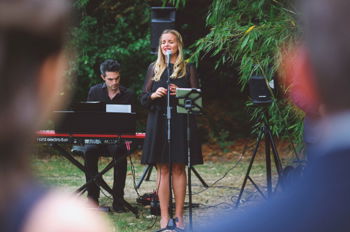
x=327, y=41
x=32, y=63
x=320, y=61
x=31, y=70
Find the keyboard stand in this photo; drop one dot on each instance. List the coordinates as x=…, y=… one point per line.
x=98, y=179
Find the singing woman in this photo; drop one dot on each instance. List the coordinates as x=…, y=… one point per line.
x=155, y=149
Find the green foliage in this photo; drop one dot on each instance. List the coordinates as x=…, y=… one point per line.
x=110, y=30
x=176, y=3
x=241, y=34
x=222, y=139
x=249, y=34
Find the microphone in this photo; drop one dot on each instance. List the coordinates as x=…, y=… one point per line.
x=167, y=56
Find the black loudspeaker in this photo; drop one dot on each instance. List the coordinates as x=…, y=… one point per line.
x=259, y=90
x=162, y=18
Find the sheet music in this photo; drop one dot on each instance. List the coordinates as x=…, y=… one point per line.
x=117, y=108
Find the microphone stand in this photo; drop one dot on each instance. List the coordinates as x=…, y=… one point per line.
x=171, y=223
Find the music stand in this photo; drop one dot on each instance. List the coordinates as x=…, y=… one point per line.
x=190, y=103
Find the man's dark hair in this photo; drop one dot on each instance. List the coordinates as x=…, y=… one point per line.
x=109, y=66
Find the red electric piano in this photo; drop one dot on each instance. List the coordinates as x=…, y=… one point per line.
x=91, y=126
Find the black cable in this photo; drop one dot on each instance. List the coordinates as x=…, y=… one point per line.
x=224, y=205
x=132, y=167
x=134, y=183
x=227, y=206
x=218, y=186
x=133, y=172
x=104, y=194
x=148, y=227
x=103, y=191
x=226, y=173
x=250, y=195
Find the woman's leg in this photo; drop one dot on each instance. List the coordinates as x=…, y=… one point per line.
x=179, y=186
x=163, y=193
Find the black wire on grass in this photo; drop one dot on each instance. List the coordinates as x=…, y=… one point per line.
x=226, y=173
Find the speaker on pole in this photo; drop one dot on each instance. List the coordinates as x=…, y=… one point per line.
x=161, y=18
x=260, y=90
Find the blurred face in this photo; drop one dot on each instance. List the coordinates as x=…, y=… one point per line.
x=51, y=91
x=298, y=76
x=112, y=80
x=169, y=42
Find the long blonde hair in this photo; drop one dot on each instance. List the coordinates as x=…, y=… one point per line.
x=179, y=66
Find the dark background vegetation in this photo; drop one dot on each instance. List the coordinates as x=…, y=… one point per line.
x=228, y=40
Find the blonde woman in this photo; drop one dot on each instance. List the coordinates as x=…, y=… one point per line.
x=155, y=149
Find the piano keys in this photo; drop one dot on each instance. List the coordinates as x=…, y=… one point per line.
x=50, y=136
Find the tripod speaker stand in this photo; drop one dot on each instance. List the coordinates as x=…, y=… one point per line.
x=269, y=144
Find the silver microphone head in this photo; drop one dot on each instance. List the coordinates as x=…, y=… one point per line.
x=168, y=55
x=168, y=52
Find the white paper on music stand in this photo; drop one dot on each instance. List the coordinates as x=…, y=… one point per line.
x=117, y=108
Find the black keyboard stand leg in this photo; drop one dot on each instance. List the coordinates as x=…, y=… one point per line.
x=105, y=186
x=98, y=179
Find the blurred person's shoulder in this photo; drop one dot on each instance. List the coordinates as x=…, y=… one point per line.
x=65, y=212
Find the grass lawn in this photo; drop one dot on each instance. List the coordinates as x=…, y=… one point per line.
x=55, y=170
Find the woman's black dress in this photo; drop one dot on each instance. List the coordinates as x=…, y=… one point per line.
x=155, y=148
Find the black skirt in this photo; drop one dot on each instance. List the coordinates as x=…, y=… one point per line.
x=155, y=148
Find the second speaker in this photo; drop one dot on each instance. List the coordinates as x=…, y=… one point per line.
x=161, y=18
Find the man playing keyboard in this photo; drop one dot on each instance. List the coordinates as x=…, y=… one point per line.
x=110, y=92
